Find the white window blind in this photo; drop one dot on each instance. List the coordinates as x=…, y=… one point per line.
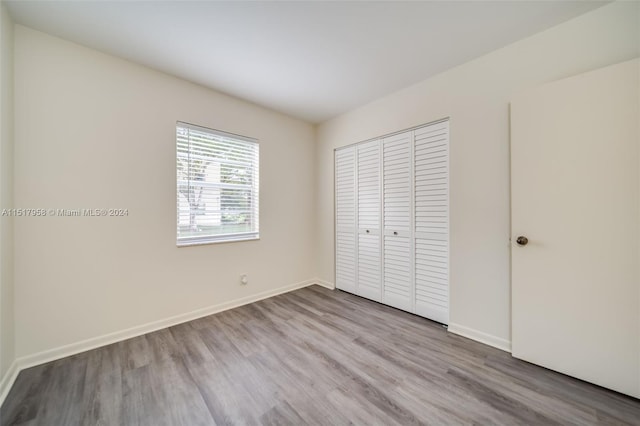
x=217, y=186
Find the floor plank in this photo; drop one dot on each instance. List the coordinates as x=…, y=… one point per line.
x=312, y=356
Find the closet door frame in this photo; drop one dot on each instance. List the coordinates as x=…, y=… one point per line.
x=412, y=215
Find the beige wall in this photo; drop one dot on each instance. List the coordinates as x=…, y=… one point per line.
x=7, y=347
x=94, y=131
x=476, y=96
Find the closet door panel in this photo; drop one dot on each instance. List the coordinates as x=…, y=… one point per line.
x=431, y=192
x=369, y=270
x=397, y=265
x=346, y=230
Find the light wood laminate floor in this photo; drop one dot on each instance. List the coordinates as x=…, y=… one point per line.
x=312, y=356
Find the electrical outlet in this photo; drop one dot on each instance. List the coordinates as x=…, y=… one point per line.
x=244, y=279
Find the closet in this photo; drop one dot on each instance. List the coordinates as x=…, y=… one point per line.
x=392, y=220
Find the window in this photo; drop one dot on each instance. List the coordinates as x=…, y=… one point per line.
x=217, y=182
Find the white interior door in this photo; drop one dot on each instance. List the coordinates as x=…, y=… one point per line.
x=575, y=196
x=369, y=205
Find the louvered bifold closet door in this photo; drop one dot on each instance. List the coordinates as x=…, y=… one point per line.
x=369, y=203
x=397, y=289
x=431, y=181
x=346, y=228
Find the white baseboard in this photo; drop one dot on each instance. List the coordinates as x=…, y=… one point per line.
x=326, y=284
x=479, y=336
x=107, y=339
x=7, y=380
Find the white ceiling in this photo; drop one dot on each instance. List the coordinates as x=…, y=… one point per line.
x=311, y=60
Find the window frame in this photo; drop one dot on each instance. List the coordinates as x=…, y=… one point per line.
x=252, y=235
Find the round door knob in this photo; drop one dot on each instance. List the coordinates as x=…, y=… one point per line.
x=367, y=231
x=395, y=232
x=522, y=240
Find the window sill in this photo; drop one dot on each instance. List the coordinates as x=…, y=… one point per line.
x=207, y=242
